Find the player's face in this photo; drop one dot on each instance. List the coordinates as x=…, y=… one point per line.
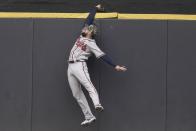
x=85, y=31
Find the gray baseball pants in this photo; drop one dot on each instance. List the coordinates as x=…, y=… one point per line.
x=78, y=75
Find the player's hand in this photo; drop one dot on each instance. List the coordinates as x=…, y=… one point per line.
x=100, y=8
x=120, y=68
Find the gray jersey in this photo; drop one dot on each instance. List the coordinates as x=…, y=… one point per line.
x=83, y=49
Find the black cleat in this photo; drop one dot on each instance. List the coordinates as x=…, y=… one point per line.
x=99, y=108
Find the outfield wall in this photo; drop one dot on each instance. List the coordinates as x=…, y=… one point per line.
x=157, y=93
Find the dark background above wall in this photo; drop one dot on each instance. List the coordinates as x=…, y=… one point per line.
x=123, y=6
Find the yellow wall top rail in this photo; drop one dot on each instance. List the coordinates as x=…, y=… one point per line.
x=54, y=15
x=157, y=16
x=99, y=15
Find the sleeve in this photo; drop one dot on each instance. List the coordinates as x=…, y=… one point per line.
x=89, y=20
x=108, y=60
x=95, y=49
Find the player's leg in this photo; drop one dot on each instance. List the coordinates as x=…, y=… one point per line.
x=84, y=78
x=79, y=95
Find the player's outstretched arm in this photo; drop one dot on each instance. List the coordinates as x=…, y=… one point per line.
x=100, y=54
x=90, y=19
x=109, y=61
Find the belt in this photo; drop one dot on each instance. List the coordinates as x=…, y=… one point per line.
x=75, y=61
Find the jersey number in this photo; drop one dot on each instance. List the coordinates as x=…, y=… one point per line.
x=81, y=45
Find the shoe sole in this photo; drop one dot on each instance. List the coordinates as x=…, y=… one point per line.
x=88, y=124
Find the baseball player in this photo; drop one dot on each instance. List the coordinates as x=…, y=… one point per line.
x=77, y=71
